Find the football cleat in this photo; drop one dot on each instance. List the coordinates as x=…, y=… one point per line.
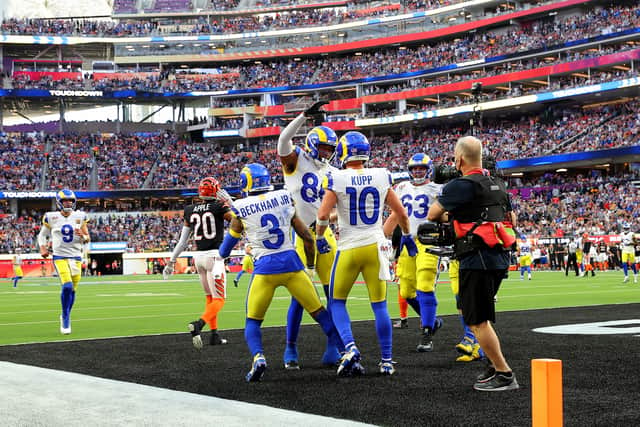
x=65, y=326
x=331, y=356
x=476, y=354
x=347, y=362
x=426, y=342
x=215, y=339
x=291, y=357
x=386, y=367
x=626, y=279
x=401, y=324
x=195, y=328
x=258, y=367
x=465, y=346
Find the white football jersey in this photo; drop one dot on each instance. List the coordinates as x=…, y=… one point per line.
x=416, y=200
x=524, y=248
x=64, y=239
x=361, y=195
x=267, y=221
x=305, y=185
x=17, y=260
x=627, y=241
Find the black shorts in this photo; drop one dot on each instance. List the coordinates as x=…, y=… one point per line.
x=476, y=295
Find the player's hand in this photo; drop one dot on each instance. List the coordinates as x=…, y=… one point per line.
x=314, y=112
x=311, y=272
x=44, y=253
x=168, y=270
x=322, y=245
x=408, y=242
x=224, y=197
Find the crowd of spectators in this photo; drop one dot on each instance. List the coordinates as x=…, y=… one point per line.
x=393, y=60
x=281, y=20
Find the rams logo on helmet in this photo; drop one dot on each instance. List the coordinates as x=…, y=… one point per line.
x=418, y=176
x=65, y=194
x=353, y=146
x=255, y=177
x=320, y=135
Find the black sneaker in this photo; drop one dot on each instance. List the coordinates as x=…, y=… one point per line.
x=488, y=373
x=401, y=324
x=215, y=339
x=499, y=382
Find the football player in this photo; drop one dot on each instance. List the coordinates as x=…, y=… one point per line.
x=303, y=169
x=267, y=218
x=204, y=221
x=628, y=253
x=247, y=265
x=418, y=273
x=17, y=267
x=524, y=257
x=360, y=194
x=68, y=231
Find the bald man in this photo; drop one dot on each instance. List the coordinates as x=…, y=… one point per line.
x=478, y=204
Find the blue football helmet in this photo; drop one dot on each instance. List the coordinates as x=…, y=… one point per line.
x=65, y=194
x=352, y=146
x=420, y=159
x=255, y=177
x=320, y=135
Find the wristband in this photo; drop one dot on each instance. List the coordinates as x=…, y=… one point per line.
x=322, y=221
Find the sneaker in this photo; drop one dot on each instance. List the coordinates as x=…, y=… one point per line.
x=386, y=367
x=257, y=368
x=215, y=339
x=465, y=346
x=195, y=328
x=626, y=279
x=499, y=382
x=401, y=324
x=65, y=327
x=348, y=360
x=488, y=373
x=426, y=342
x=291, y=357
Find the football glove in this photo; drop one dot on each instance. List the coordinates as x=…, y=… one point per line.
x=168, y=270
x=322, y=245
x=224, y=197
x=314, y=112
x=407, y=242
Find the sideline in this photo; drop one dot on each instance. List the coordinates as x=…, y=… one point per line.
x=44, y=397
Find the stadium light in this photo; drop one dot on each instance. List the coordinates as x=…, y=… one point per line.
x=561, y=170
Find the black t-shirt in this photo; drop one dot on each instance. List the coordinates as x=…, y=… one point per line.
x=206, y=220
x=459, y=193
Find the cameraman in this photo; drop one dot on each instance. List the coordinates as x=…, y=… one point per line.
x=477, y=205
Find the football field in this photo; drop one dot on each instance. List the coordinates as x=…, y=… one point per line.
x=122, y=306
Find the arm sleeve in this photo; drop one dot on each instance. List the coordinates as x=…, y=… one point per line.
x=285, y=147
x=182, y=244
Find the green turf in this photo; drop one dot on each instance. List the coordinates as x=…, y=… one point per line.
x=141, y=305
